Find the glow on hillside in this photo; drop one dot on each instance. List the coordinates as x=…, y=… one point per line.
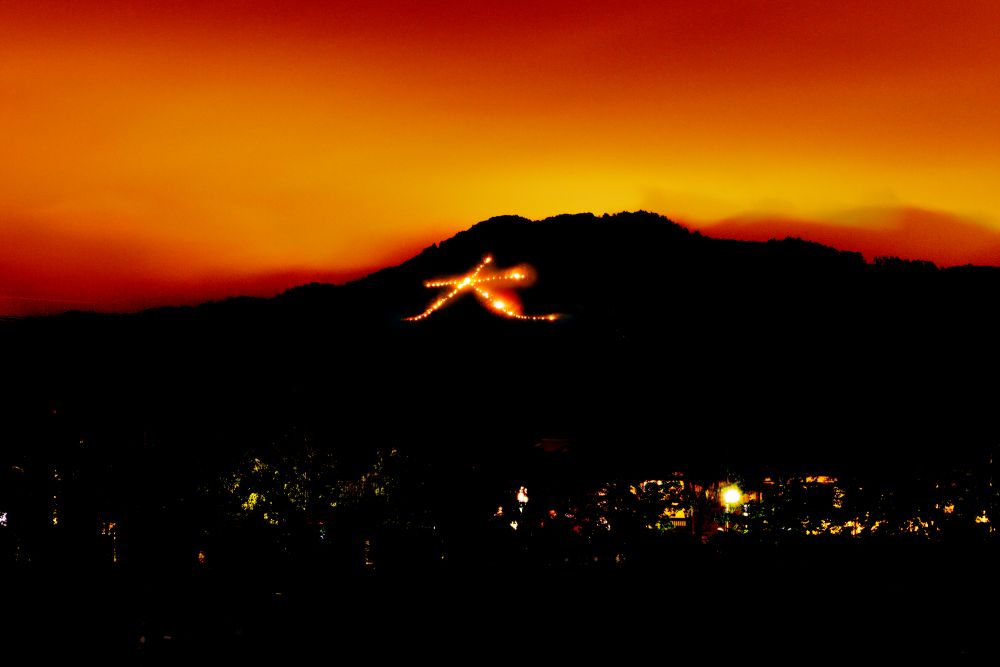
x=482, y=282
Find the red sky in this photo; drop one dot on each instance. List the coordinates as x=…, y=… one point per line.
x=169, y=152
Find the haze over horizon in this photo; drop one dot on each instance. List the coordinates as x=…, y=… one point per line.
x=177, y=152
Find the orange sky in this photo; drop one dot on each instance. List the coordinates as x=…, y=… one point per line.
x=166, y=153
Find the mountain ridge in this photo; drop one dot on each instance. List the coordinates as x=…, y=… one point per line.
x=665, y=336
x=440, y=257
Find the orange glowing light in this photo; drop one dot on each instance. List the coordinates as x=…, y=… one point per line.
x=731, y=495
x=474, y=281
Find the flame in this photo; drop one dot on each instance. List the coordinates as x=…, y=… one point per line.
x=501, y=302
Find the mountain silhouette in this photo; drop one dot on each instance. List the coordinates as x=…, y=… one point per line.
x=946, y=239
x=671, y=346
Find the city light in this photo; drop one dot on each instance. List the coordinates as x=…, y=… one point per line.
x=474, y=280
x=731, y=495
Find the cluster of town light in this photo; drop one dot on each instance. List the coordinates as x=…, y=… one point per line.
x=522, y=500
x=474, y=281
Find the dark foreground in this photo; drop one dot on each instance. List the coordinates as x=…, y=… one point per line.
x=716, y=603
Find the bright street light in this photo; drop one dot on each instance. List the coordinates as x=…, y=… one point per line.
x=731, y=495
